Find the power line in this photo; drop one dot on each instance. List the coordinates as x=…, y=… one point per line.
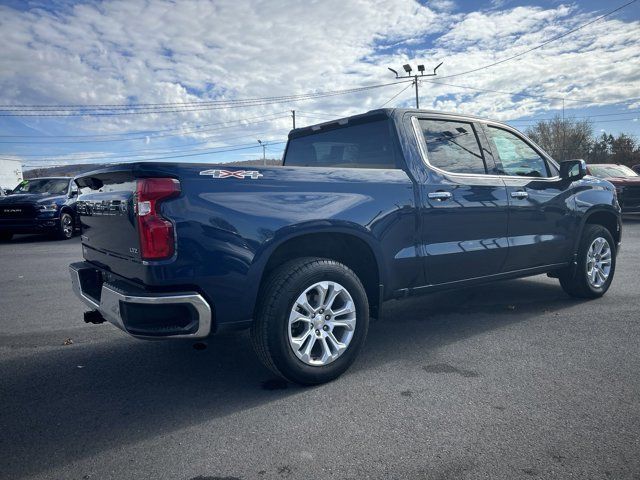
x=628, y=112
x=396, y=95
x=141, y=152
x=142, y=137
x=146, y=132
x=595, y=121
x=558, y=37
x=324, y=114
x=171, y=108
x=531, y=95
x=211, y=152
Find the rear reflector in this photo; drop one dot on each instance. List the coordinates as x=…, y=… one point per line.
x=156, y=232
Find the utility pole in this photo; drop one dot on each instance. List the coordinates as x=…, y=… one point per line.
x=264, y=155
x=293, y=115
x=408, y=69
x=564, y=132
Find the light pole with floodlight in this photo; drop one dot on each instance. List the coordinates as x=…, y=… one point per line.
x=408, y=69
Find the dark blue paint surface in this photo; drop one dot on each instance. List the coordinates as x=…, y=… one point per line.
x=227, y=228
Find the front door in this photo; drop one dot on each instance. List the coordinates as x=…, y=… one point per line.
x=540, y=224
x=464, y=206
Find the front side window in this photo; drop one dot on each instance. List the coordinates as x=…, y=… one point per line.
x=367, y=145
x=452, y=146
x=517, y=158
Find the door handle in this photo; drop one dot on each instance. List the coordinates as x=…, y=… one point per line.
x=439, y=195
x=520, y=194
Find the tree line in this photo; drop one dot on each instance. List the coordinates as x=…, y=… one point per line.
x=569, y=138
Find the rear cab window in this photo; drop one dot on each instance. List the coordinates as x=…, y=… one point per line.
x=453, y=146
x=371, y=144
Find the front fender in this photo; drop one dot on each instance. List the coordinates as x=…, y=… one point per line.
x=595, y=196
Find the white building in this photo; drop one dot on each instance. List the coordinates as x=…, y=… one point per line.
x=10, y=173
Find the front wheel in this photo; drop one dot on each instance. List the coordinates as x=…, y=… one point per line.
x=596, y=264
x=65, y=228
x=312, y=320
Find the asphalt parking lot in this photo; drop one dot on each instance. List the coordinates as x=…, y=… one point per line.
x=511, y=380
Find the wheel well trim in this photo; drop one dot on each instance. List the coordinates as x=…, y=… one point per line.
x=590, y=213
x=263, y=255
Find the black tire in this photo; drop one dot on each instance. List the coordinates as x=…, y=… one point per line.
x=65, y=226
x=574, y=280
x=5, y=236
x=270, y=335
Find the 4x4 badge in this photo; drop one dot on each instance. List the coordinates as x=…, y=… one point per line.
x=253, y=174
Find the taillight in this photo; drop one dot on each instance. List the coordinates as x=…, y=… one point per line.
x=156, y=232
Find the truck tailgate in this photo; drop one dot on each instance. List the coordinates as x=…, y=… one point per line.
x=106, y=209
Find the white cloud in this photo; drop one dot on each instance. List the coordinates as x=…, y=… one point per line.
x=161, y=51
x=442, y=5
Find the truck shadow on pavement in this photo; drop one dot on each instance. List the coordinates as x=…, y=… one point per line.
x=64, y=404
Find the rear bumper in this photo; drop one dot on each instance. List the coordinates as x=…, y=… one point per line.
x=139, y=313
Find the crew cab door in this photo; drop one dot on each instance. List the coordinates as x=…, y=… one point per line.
x=464, y=212
x=541, y=224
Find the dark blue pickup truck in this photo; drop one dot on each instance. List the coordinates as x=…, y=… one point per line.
x=40, y=205
x=373, y=207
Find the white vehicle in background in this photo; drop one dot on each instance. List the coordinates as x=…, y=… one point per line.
x=10, y=174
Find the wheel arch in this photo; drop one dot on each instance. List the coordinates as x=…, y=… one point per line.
x=346, y=246
x=608, y=218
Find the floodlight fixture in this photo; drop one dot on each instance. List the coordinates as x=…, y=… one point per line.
x=407, y=68
x=421, y=69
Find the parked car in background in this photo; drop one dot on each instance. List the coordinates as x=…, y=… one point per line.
x=40, y=205
x=626, y=181
x=383, y=205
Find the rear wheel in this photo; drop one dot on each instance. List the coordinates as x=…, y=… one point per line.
x=312, y=320
x=65, y=227
x=596, y=264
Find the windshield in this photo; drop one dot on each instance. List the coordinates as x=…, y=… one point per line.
x=52, y=186
x=610, y=171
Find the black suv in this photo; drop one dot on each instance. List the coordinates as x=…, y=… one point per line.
x=40, y=205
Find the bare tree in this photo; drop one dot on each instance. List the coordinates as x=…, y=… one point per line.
x=563, y=138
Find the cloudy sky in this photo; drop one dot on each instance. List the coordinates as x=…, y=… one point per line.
x=184, y=52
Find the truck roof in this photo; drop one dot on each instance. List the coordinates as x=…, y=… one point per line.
x=379, y=113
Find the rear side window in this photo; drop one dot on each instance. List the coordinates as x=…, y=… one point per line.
x=516, y=157
x=368, y=145
x=453, y=146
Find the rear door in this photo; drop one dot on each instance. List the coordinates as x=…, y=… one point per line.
x=541, y=224
x=464, y=204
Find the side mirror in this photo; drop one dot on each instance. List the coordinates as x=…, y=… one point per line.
x=573, y=169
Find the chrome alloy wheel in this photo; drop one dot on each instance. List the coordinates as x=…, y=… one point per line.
x=598, y=262
x=322, y=323
x=67, y=225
